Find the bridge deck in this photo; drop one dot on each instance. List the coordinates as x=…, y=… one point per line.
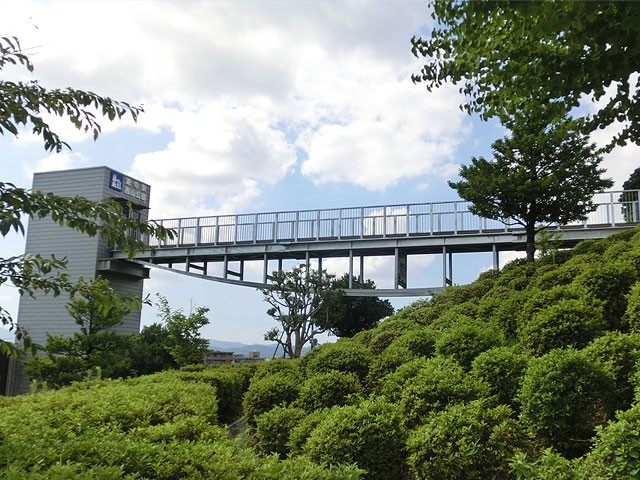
x=423, y=228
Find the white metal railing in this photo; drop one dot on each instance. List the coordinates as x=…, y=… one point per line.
x=416, y=219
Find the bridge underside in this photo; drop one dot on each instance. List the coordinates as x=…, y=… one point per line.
x=195, y=260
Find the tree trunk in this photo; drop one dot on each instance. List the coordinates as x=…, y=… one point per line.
x=531, y=242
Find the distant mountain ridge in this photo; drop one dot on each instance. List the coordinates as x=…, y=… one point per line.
x=266, y=349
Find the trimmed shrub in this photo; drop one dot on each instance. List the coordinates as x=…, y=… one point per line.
x=557, y=276
x=589, y=247
x=156, y=427
x=567, y=323
x=440, y=383
x=616, y=452
x=502, y=368
x=369, y=434
x=565, y=394
x=502, y=307
x=363, y=337
x=620, y=353
x=548, y=466
x=300, y=432
x=231, y=383
x=394, y=383
x=386, y=363
x=469, y=441
x=273, y=428
x=632, y=313
x=609, y=282
x=516, y=274
x=467, y=295
x=326, y=390
x=466, y=340
x=535, y=299
x=421, y=342
x=278, y=389
x=421, y=312
x=279, y=365
x=345, y=356
x=453, y=316
x=388, y=331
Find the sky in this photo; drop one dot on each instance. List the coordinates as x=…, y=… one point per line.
x=254, y=106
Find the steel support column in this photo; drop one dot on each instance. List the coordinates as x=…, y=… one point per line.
x=396, y=267
x=265, y=269
x=350, y=268
x=444, y=266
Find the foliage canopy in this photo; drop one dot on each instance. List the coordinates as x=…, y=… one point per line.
x=504, y=54
x=345, y=316
x=544, y=173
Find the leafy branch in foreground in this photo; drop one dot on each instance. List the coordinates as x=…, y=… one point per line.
x=504, y=54
x=23, y=103
x=26, y=104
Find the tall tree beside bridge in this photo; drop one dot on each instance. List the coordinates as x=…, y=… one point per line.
x=345, y=316
x=545, y=172
x=296, y=297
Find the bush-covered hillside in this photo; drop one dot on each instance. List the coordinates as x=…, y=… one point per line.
x=528, y=373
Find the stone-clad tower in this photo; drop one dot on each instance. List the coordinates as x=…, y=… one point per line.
x=86, y=256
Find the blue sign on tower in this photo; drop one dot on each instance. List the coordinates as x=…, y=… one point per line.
x=116, y=182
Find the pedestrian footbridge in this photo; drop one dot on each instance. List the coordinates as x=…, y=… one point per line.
x=399, y=231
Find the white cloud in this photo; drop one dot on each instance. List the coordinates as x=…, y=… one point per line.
x=218, y=160
x=55, y=162
x=368, y=125
x=331, y=81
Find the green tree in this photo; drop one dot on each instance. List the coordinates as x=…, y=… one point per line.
x=345, y=316
x=149, y=352
x=296, y=297
x=184, y=343
x=504, y=54
x=28, y=104
x=93, y=348
x=544, y=173
x=629, y=200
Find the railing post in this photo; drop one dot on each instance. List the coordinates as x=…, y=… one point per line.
x=180, y=232
x=339, y=223
x=317, y=224
x=384, y=222
x=237, y=227
x=275, y=229
x=361, y=222
x=431, y=218
x=613, y=214
x=197, y=239
x=296, y=227
x=407, y=222
x=255, y=228
x=216, y=239
x=455, y=218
